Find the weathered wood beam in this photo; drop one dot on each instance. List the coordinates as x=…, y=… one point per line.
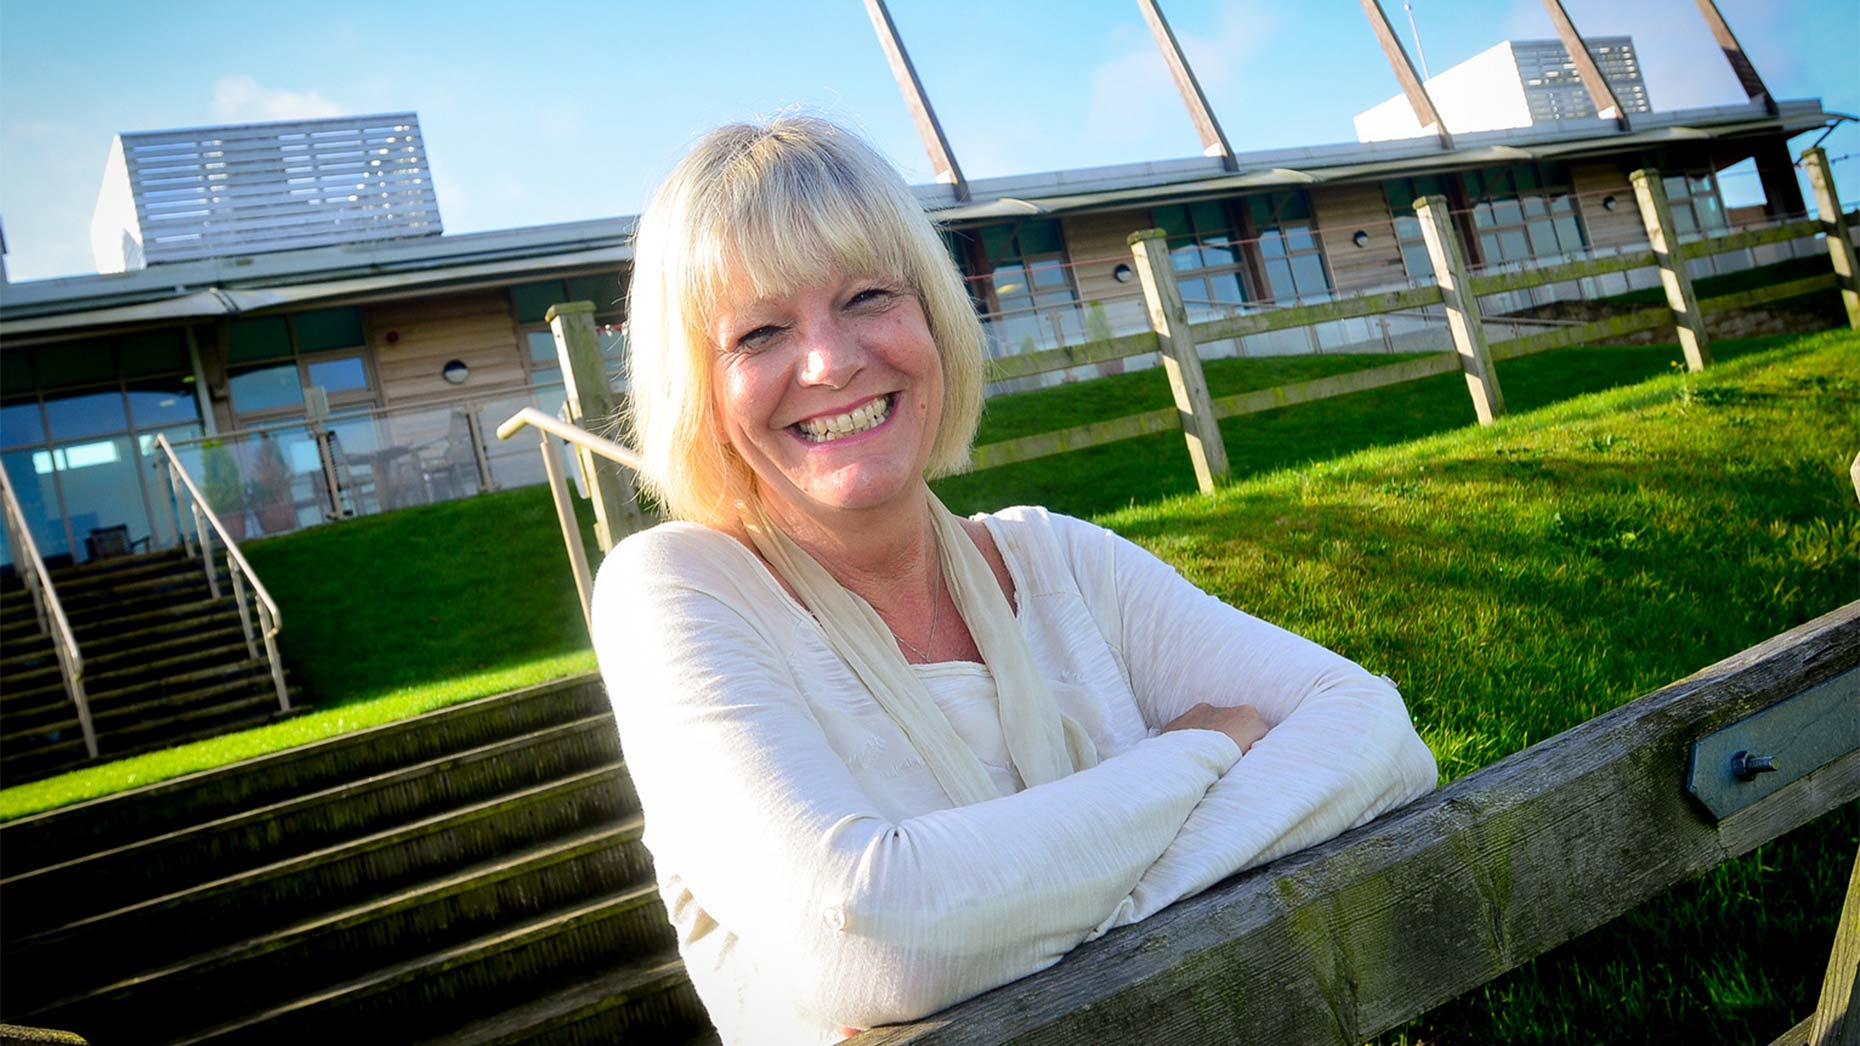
x=1027, y=364
x=1498, y=283
x=1657, y=215
x=1564, y=337
x=1833, y=221
x=1322, y=312
x=1349, y=939
x=1734, y=53
x=1411, y=86
x=1837, y=1016
x=1181, y=358
x=592, y=405
x=1607, y=106
x=929, y=129
x=1462, y=307
x=1743, y=238
x=1213, y=139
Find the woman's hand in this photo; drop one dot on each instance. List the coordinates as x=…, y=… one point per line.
x=1241, y=722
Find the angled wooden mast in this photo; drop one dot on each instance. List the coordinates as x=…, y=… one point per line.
x=1607, y=106
x=1418, y=99
x=1213, y=139
x=929, y=130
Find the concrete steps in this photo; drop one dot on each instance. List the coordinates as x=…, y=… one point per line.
x=475, y=875
x=165, y=662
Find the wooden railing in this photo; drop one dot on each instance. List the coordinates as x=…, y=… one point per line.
x=1195, y=409
x=1344, y=941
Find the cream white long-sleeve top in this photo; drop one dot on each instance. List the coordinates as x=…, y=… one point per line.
x=816, y=874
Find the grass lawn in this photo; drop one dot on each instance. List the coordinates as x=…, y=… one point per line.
x=1515, y=580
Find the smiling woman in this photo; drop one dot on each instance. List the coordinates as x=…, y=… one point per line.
x=890, y=758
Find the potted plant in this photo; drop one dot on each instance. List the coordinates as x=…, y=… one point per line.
x=270, y=491
x=225, y=491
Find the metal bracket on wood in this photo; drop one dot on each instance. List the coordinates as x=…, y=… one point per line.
x=1759, y=755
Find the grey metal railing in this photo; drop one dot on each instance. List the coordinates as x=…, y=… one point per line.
x=547, y=426
x=45, y=605
x=199, y=544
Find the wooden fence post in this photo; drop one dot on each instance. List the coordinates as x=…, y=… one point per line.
x=1180, y=357
x=1463, y=320
x=1688, y=322
x=1834, y=221
x=592, y=406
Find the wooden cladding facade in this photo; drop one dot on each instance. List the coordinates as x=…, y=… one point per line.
x=413, y=340
x=1343, y=211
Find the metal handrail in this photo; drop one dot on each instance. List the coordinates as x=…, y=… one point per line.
x=270, y=621
x=50, y=612
x=547, y=426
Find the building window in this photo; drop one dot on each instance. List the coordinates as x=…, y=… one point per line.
x=1696, y=205
x=77, y=432
x=1205, y=252
x=530, y=302
x=1026, y=284
x=270, y=360
x=1523, y=211
x=1291, y=261
x=1401, y=194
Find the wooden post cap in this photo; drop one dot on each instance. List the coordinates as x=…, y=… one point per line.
x=1145, y=234
x=566, y=308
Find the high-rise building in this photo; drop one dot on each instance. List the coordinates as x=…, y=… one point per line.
x=211, y=191
x=1515, y=84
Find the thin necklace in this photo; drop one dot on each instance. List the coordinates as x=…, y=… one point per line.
x=936, y=607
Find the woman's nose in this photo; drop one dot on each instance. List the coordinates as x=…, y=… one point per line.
x=833, y=356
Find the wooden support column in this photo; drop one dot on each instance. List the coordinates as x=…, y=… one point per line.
x=1607, y=106
x=1180, y=357
x=1463, y=320
x=1213, y=139
x=929, y=129
x=1834, y=223
x=1746, y=73
x=593, y=406
x=1411, y=86
x=1688, y=322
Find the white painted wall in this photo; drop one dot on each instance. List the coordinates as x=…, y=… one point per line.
x=115, y=234
x=1483, y=93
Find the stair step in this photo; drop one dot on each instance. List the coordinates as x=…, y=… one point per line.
x=209, y=712
x=99, y=666
x=270, y=969
x=280, y=893
x=123, y=678
x=51, y=711
x=105, y=617
x=62, y=835
x=91, y=585
x=468, y=981
x=646, y=1001
x=120, y=642
x=268, y=834
x=79, y=572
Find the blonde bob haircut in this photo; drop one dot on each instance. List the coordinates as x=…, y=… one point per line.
x=772, y=209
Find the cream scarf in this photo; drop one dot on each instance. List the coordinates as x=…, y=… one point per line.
x=1044, y=743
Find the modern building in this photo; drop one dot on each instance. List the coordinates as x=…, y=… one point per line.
x=1516, y=83
x=207, y=192
x=420, y=345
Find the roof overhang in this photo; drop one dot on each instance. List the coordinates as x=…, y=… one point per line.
x=1334, y=164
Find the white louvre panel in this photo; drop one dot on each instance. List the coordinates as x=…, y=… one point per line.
x=215, y=191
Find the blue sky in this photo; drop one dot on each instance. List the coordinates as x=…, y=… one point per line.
x=557, y=111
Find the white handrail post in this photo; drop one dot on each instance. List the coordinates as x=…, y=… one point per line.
x=571, y=530
x=189, y=539
x=245, y=616
x=83, y=708
x=206, y=555
x=268, y=626
x=475, y=429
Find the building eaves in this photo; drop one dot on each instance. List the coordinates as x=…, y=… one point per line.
x=1106, y=187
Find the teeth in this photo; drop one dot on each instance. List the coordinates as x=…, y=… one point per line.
x=865, y=416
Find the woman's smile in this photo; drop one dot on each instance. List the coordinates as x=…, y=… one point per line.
x=830, y=427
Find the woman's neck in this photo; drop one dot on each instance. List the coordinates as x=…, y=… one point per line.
x=884, y=555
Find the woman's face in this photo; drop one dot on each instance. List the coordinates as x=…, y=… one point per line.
x=830, y=394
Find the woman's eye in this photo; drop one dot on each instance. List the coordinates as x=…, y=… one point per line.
x=759, y=337
x=870, y=296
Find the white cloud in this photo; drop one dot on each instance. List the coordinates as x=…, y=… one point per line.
x=241, y=99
